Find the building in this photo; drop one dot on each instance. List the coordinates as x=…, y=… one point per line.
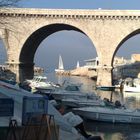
x=122, y=67
x=92, y=63
x=128, y=67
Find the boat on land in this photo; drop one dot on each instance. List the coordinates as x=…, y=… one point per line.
x=27, y=105
x=106, y=88
x=13, y=91
x=110, y=114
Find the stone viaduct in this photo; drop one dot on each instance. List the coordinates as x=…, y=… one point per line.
x=22, y=30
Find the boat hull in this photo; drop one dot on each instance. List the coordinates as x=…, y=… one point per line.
x=106, y=88
x=113, y=116
x=131, y=89
x=82, y=102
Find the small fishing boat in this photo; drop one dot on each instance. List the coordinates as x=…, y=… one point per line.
x=110, y=114
x=106, y=88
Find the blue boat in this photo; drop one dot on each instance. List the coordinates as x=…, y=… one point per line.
x=106, y=88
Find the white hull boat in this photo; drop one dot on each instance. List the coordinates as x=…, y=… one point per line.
x=40, y=83
x=70, y=91
x=114, y=115
x=132, y=85
x=131, y=88
x=66, y=95
x=82, y=102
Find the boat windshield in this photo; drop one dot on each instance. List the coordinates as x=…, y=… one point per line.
x=40, y=79
x=72, y=88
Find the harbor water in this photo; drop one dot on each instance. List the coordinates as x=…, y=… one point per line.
x=107, y=131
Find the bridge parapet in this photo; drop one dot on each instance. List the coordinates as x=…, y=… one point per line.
x=24, y=29
x=72, y=14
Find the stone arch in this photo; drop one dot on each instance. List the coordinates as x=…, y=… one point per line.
x=30, y=46
x=124, y=39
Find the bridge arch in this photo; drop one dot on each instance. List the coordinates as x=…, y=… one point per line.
x=124, y=39
x=33, y=41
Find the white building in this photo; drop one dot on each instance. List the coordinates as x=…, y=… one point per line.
x=92, y=63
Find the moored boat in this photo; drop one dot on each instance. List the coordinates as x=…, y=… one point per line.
x=132, y=85
x=106, y=88
x=110, y=114
x=71, y=90
x=82, y=102
x=40, y=83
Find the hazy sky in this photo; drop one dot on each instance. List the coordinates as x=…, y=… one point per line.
x=74, y=46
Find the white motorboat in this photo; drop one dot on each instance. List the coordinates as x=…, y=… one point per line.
x=40, y=83
x=110, y=114
x=132, y=86
x=82, y=102
x=70, y=90
x=66, y=95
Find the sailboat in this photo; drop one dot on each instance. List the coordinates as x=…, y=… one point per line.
x=60, y=65
x=78, y=65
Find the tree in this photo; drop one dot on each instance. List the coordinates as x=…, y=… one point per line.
x=8, y=3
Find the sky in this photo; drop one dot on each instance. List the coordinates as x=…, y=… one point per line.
x=82, y=4
x=65, y=42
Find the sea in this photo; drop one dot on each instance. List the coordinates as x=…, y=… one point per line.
x=107, y=131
